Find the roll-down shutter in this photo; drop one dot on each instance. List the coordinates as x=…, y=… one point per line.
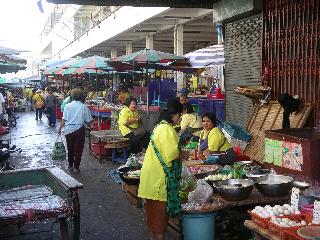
x=242, y=65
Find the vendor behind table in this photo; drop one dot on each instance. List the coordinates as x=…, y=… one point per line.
x=130, y=126
x=191, y=125
x=213, y=141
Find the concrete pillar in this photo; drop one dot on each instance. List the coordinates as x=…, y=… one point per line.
x=178, y=40
x=129, y=48
x=114, y=53
x=178, y=50
x=149, y=42
x=219, y=31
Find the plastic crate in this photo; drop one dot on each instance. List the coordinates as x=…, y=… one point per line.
x=235, y=142
x=262, y=222
x=281, y=230
x=98, y=149
x=237, y=132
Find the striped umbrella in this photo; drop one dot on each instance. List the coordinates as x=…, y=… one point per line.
x=94, y=62
x=207, y=57
x=148, y=58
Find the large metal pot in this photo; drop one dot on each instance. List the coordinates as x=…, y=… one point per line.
x=274, y=185
x=234, y=189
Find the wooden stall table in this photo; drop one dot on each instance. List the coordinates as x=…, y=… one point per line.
x=123, y=144
x=219, y=204
x=259, y=232
x=103, y=136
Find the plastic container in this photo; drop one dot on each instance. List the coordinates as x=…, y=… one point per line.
x=104, y=125
x=237, y=132
x=235, y=142
x=98, y=149
x=262, y=222
x=198, y=226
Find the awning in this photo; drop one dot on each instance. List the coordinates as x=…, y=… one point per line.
x=207, y=57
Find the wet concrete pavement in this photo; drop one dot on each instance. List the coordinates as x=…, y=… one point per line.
x=105, y=211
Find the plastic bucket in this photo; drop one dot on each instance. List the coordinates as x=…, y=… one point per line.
x=198, y=226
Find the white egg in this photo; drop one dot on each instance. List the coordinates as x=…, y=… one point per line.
x=286, y=205
x=285, y=219
x=281, y=215
x=274, y=219
x=271, y=213
x=283, y=224
x=276, y=213
x=286, y=212
x=280, y=210
x=303, y=222
x=297, y=212
x=259, y=208
x=277, y=206
x=291, y=223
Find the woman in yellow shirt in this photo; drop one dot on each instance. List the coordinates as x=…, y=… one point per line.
x=161, y=171
x=212, y=140
x=130, y=126
x=191, y=124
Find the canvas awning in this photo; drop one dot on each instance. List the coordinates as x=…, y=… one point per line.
x=207, y=57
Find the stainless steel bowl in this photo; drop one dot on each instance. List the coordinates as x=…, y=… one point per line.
x=258, y=174
x=234, y=189
x=274, y=185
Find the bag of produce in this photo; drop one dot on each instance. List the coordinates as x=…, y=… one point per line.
x=203, y=192
x=188, y=181
x=59, y=150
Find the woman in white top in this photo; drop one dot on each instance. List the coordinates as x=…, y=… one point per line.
x=75, y=116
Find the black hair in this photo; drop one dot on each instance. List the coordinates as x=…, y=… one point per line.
x=128, y=101
x=188, y=108
x=211, y=116
x=173, y=107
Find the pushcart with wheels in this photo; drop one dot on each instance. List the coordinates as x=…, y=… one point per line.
x=39, y=194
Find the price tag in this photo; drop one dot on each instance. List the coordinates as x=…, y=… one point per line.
x=295, y=194
x=316, y=212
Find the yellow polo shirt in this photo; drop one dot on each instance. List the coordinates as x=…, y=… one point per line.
x=124, y=115
x=216, y=140
x=153, y=184
x=191, y=120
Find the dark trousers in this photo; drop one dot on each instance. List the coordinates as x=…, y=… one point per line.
x=75, y=144
x=52, y=115
x=38, y=113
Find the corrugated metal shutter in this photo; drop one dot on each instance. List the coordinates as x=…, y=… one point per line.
x=242, y=65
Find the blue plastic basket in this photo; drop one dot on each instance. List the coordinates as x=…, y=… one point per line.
x=237, y=132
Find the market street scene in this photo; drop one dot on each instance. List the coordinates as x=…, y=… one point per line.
x=161, y=120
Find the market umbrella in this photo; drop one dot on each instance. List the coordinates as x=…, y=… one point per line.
x=149, y=59
x=10, y=67
x=94, y=62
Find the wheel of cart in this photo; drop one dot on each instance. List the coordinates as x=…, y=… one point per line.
x=51, y=192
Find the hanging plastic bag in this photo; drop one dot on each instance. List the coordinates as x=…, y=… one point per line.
x=188, y=181
x=59, y=150
x=202, y=193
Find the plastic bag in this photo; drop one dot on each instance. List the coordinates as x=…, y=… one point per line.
x=59, y=150
x=203, y=192
x=188, y=181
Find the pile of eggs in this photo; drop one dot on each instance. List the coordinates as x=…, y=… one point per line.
x=286, y=222
x=277, y=210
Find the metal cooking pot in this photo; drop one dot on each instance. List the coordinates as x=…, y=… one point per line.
x=234, y=189
x=274, y=185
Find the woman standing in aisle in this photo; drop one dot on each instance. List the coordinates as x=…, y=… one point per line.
x=38, y=104
x=51, y=105
x=76, y=116
x=161, y=171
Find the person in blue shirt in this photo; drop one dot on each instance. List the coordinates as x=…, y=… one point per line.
x=76, y=116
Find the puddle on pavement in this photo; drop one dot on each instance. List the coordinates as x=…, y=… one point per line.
x=36, y=140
